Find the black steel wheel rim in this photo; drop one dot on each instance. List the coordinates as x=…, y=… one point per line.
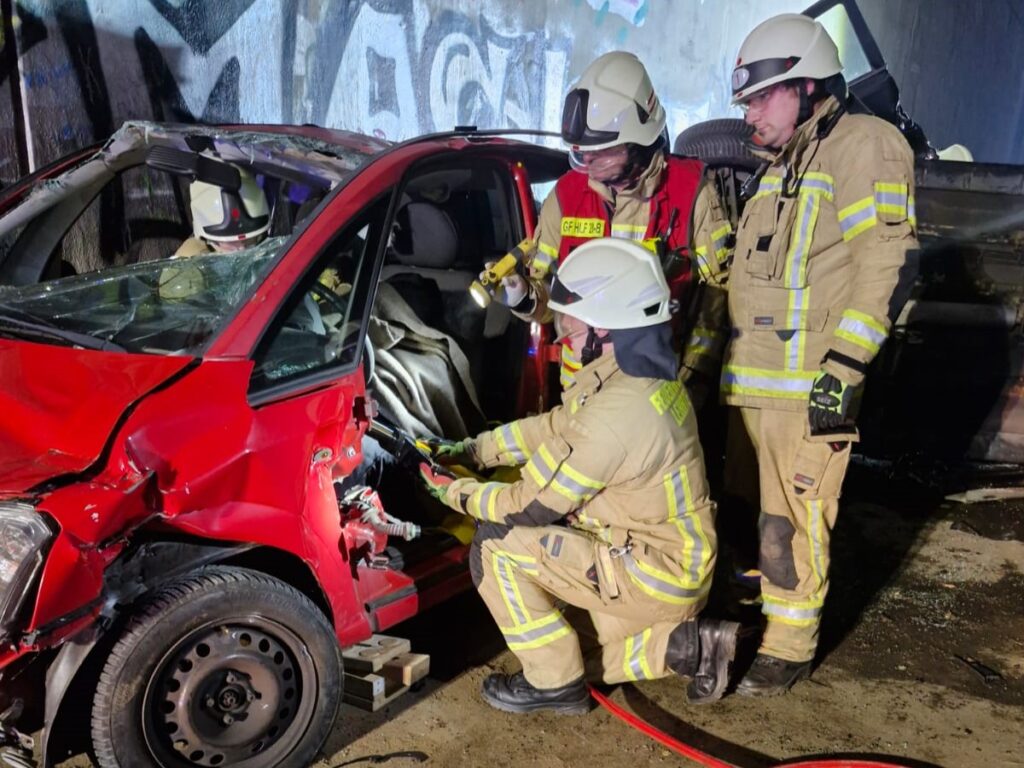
x=238, y=692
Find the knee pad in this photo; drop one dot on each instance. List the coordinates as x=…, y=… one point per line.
x=776, y=551
x=484, y=532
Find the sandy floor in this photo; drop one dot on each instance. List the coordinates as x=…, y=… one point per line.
x=915, y=586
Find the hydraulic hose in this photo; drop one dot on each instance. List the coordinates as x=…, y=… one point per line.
x=703, y=758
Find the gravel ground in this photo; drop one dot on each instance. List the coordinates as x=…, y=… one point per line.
x=917, y=589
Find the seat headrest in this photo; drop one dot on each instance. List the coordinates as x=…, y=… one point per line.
x=424, y=236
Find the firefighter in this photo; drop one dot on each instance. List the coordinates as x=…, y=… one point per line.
x=824, y=253
x=223, y=221
x=622, y=184
x=611, y=514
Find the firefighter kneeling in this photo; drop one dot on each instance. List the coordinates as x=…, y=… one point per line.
x=611, y=514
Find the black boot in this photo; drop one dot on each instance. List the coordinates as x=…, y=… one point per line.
x=770, y=676
x=513, y=693
x=703, y=650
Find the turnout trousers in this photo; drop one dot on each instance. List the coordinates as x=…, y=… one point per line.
x=800, y=482
x=527, y=576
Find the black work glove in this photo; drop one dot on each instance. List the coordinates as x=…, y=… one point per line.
x=828, y=403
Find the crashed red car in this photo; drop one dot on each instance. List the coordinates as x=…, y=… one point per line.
x=184, y=530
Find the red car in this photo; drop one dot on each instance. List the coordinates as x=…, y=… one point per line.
x=183, y=534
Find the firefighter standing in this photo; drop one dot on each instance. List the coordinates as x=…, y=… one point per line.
x=819, y=270
x=620, y=462
x=623, y=185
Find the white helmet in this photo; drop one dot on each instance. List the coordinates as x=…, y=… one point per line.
x=612, y=103
x=220, y=215
x=611, y=283
x=789, y=46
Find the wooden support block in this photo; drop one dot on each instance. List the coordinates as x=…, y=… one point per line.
x=365, y=686
x=371, y=655
x=407, y=669
x=371, y=692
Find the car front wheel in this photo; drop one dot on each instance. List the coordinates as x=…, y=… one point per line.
x=226, y=667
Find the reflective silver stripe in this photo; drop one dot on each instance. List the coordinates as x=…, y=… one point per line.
x=795, y=344
x=484, y=508
x=797, y=261
x=628, y=232
x=657, y=584
x=896, y=199
x=503, y=567
x=818, y=185
x=636, y=657
x=859, y=217
x=814, y=529
x=735, y=380
x=575, y=487
x=682, y=515
x=508, y=440
x=519, y=637
x=778, y=608
x=862, y=329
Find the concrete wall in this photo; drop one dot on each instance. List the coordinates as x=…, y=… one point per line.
x=959, y=65
x=394, y=68
x=72, y=70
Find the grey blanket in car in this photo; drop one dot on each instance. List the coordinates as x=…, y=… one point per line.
x=421, y=376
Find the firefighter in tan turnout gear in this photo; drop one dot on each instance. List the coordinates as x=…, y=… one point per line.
x=622, y=185
x=611, y=514
x=820, y=266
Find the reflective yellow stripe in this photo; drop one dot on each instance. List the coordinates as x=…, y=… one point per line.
x=762, y=382
x=891, y=198
x=819, y=184
x=696, y=551
x=541, y=466
x=701, y=252
x=634, y=660
x=543, y=259
x=547, y=250
x=482, y=502
x=629, y=231
x=536, y=634
x=662, y=586
x=577, y=227
x=504, y=565
x=862, y=330
x=570, y=366
x=574, y=485
x=815, y=525
x=793, y=613
x=857, y=218
x=701, y=342
x=769, y=185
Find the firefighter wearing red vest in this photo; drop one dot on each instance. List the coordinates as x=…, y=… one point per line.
x=622, y=185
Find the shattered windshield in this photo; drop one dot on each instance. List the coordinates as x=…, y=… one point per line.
x=168, y=306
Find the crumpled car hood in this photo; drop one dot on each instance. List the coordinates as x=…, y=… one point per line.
x=59, y=405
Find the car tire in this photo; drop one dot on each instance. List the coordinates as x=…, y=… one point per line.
x=224, y=667
x=724, y=142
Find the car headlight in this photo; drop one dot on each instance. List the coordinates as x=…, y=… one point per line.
x=23, y=534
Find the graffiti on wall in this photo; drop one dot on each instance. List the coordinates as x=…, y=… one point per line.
x=393, y=68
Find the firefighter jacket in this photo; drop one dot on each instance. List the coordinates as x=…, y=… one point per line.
x=620, y=458
x=579, y=209
x=821, y=259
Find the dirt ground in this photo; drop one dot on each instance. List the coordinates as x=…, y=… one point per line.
x=920, y=587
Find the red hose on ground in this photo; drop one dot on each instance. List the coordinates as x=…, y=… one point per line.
x=703, y=758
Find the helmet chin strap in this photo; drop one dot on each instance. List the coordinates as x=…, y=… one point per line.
x=805, y=105
x=593, y=347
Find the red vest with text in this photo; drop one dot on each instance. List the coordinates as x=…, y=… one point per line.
x=672, y=202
